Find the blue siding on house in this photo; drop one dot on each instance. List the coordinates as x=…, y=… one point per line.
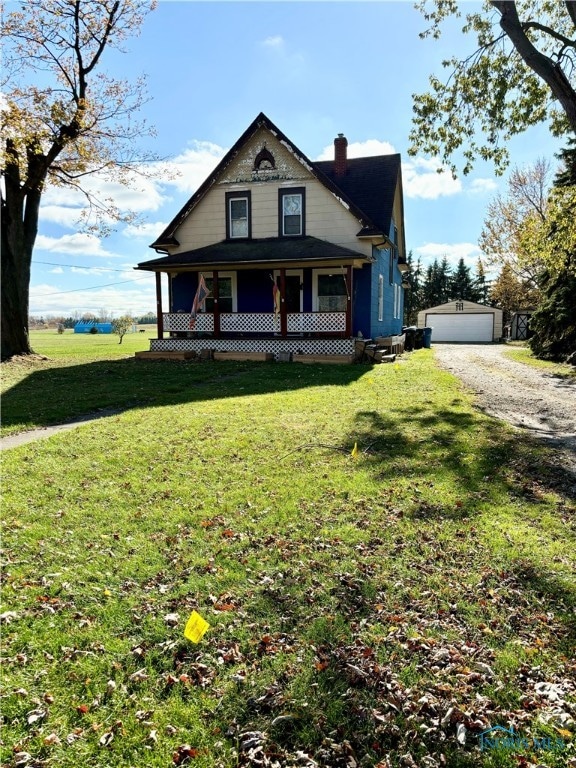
x=254, y=294
x=366, y=304
x=362, y=281
x=183, y=289
x=254, y=291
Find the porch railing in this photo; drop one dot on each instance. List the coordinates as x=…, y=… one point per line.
x=258, y=322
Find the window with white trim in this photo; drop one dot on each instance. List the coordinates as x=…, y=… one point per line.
x=330, y=293
x=226, y=292
x=380, y=297
x=291, y=211
x=238, y=215
x=396, y=301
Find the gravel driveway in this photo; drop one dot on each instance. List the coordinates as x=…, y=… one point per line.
x=526, y=397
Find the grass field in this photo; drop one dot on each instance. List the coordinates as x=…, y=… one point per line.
x=378, y=609
x=523, y=354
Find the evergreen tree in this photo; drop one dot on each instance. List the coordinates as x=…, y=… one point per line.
x=413, y=301
x=481, y=285
x=566, y=176
x=554, y=323
x=431, y=288
x=461, y=283
x=445, y=281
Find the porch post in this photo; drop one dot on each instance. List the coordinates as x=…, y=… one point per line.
x=283, y=315
x=216, y=296
x=348, y=331
x=159, y=316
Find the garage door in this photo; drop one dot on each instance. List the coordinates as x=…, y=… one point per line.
x=461, y=327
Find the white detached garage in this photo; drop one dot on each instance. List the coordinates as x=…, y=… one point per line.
x=462, y=321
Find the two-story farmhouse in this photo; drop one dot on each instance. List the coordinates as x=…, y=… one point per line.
x=296, y=256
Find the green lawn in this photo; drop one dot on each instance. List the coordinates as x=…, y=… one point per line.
x=385, y=608
x=523, y=354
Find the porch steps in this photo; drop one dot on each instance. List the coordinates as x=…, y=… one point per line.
x=166, y=355
x=330, y=359
x=243, y=356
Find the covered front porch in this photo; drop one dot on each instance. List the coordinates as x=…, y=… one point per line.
x=296, y=297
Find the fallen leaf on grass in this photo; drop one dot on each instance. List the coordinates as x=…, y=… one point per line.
x=224, y=607
x=35, y=715
x=139, y=676
x=106, y=738
x=184, y=752
x=22, y=758
x=8, y=616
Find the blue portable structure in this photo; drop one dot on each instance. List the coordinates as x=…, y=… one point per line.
x=87, y=326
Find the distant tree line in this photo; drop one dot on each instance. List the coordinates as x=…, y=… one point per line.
x=53, y=321
x=439, y=283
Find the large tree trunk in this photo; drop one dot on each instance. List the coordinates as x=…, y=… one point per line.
x=19, y=230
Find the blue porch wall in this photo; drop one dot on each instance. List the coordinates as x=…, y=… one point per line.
x=183, y=289
x=254, y=291
x=366, y=298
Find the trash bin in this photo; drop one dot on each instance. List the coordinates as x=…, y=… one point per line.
x=419, y=338
x=427, y=338
x=410, y=332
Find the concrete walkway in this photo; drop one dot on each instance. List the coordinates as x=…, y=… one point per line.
x=21, y=438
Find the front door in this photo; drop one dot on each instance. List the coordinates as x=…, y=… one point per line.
x=293, y=293
x=293, y=289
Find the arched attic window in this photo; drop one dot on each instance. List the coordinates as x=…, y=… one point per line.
x=264, y=160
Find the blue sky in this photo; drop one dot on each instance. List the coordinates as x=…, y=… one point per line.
x=315, y=69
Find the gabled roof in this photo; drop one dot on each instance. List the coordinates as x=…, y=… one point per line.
x=371, y=183
x=269, y=250
x=367, y=189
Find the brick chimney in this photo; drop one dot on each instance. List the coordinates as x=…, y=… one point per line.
x=340, y=155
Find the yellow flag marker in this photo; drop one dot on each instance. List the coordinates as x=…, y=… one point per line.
x=355, y=451
x=196, y=627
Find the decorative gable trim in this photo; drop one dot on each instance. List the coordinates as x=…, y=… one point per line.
x=167, y=238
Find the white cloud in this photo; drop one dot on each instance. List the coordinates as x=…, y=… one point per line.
x=63, y=215
x=138, y=298
x=92, y=271
x=56, y=271
x=192, y=167
x=368, y=148
x=148, y=231
x=483, y=186
x=425, y=178
x=79, y=243
x=273, y=41
x=453, y=252
x=420, y=176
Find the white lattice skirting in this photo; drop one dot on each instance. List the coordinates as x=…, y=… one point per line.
x=303, y=346
x=259, y=322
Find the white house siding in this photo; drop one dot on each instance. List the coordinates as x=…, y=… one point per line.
x=466, y=315
x=326, y=217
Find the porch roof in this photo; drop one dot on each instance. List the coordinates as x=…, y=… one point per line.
x=266, y=251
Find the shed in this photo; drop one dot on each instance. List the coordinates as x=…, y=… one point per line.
x=84, y=326
x=463, y=321
x=520, y=325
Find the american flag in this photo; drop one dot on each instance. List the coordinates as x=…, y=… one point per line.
x=202, y=293
x=276, y=297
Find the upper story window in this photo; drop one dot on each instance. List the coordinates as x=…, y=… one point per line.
x=238, y=215
x=292, y=204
